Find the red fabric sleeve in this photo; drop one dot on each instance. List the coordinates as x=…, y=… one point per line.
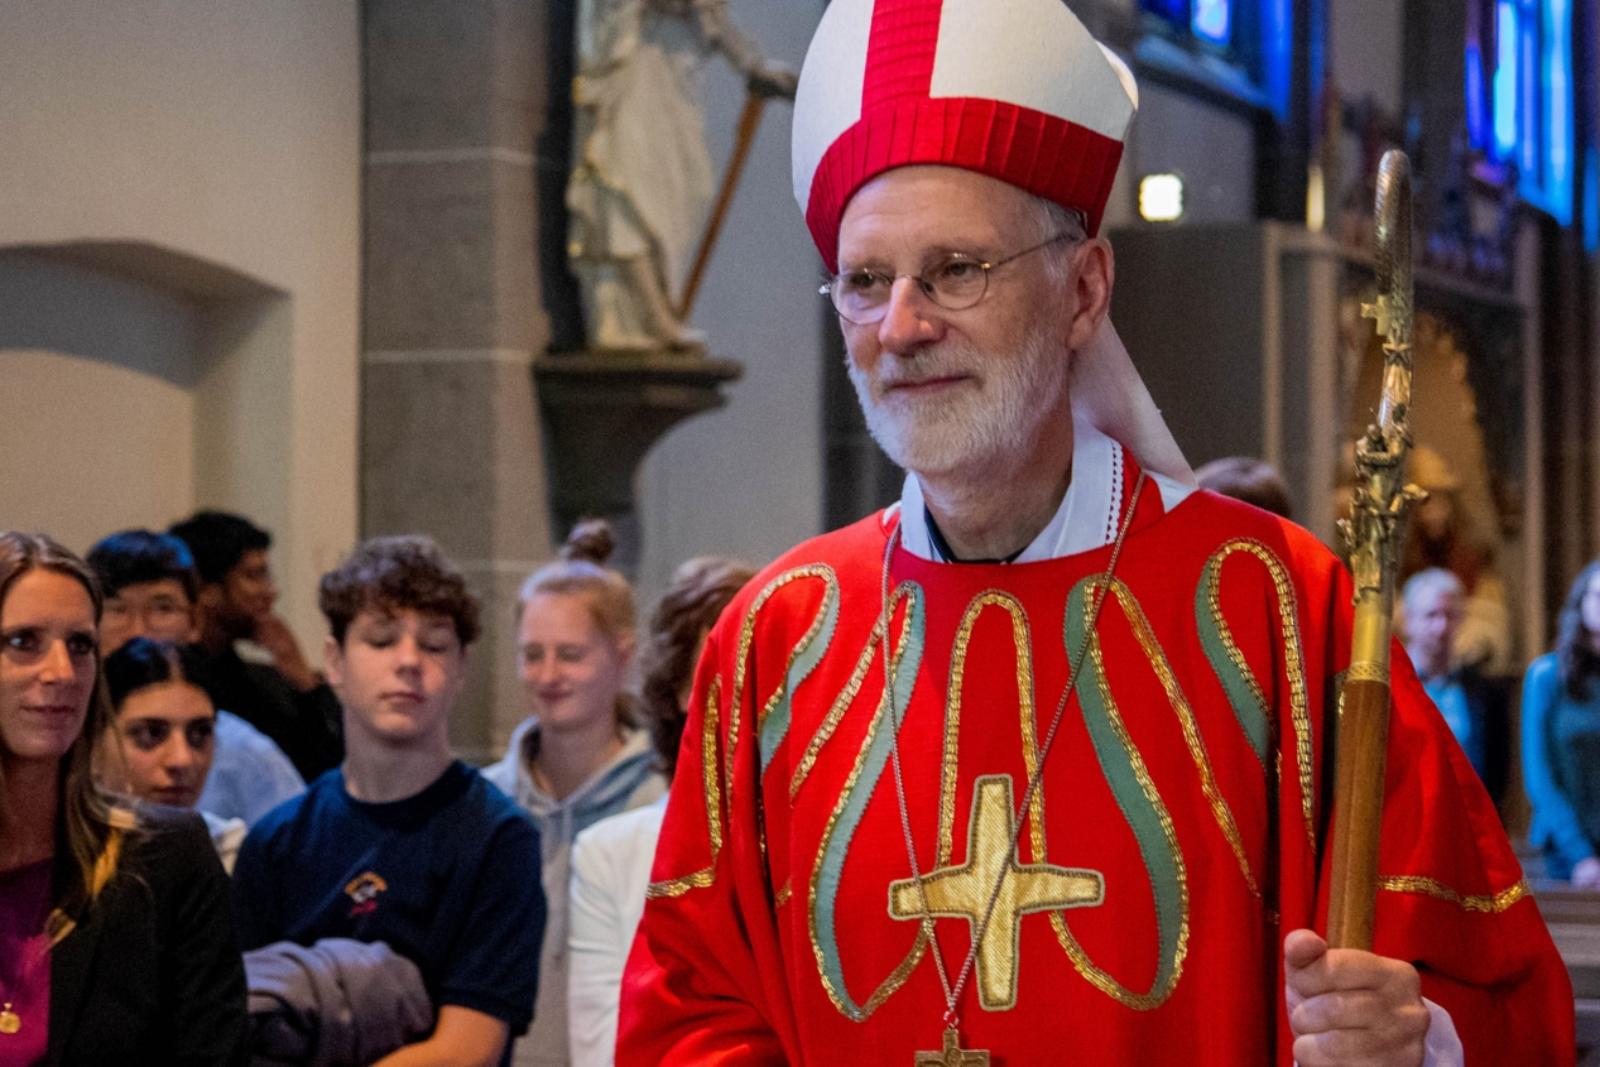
x=1452, y=900
x=704, y=983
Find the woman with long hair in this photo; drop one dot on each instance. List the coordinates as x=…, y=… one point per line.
x=1561, y=738
x=580, y=756
x=115, y=932
x=162, y=739
x=611, y=860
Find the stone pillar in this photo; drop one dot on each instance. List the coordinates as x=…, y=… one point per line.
x=466, y=114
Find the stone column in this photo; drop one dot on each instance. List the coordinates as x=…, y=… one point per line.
x=465, y=159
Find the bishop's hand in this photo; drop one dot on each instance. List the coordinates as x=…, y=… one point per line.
x=1352, y=1007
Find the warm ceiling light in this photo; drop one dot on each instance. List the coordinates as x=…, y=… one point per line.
x=1161, y=197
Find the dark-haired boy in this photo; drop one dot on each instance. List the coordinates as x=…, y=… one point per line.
x=150, y=591
x=288, y=701
x=404, y=844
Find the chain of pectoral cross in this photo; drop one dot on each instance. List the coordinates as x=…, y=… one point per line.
x=952, y=994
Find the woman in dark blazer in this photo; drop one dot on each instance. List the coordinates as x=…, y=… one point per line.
x=115, y=938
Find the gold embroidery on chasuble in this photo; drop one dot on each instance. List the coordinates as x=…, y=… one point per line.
x=1156, y=658
x=1488, y=904
x=850, y=805
x=963, y=892
x=1138, y=800
x=1140, y=803
x=717, y=759
x=1037, y=887
x=710, y=772
x=1245, y=692
x=852, y=688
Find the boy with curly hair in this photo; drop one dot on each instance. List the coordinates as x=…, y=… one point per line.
x=403, y=843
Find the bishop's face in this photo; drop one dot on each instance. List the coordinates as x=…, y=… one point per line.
x=950, y=392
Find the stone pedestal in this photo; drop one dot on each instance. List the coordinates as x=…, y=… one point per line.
x=601, y=413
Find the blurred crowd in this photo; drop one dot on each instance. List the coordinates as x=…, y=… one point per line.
x=283, y=864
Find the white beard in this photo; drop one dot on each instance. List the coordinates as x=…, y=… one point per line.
x=982, y=428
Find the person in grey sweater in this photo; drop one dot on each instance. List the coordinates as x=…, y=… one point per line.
x=580, y=756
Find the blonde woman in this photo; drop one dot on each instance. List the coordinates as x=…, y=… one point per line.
x=580, y=756
x=115, y=932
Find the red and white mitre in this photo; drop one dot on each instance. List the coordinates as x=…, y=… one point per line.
x=1015, y=89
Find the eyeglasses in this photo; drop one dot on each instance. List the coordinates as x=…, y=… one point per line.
x=954, y=282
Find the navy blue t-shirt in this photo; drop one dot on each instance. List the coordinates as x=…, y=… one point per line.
x=448, y=878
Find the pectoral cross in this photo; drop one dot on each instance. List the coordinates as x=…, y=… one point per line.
x=953, y=1054
x=964, y=892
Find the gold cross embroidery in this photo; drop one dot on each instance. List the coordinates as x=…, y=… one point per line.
x=963, y=892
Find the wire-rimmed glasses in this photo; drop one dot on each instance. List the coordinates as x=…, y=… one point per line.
x=954, y=282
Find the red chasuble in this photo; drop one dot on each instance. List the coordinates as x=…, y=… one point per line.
x=1180, y=831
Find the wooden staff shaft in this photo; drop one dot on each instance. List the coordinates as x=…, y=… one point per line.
x=1358, y=812
x=1362, y=751
x=749, y=122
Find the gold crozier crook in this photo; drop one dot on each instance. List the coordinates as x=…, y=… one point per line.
x=1372, y=533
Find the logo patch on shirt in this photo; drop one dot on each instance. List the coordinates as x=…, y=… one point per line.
x=363, y=892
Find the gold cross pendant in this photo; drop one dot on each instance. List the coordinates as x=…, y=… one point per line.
x=953, y=1054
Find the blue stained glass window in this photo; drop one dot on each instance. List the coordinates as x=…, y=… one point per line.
x=1560, y=121
x=1213, y=20
x=1558, y=87
x=1176, y=10
x=1531, y=99
x=1477, y=103
x=1528, y=109
x=1253, y=40
x=1506, y=80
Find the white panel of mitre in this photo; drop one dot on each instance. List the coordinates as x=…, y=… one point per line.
x=1036, y=54
x=828, y=99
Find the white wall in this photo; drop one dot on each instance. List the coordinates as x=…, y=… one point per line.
x=82, y=353
x=746, y=480
x=208, y=148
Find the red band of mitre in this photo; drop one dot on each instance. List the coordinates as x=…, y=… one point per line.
x=1045, y=155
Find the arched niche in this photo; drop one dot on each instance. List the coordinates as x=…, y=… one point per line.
x=137, y=383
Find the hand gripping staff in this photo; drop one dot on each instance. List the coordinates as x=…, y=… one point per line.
x=1372, y=533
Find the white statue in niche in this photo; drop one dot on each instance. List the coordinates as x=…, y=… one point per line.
x=641, y=178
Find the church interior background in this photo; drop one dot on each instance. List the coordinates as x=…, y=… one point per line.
x=307, y=260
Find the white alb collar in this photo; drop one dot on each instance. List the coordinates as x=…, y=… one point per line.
x=1086, y=519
